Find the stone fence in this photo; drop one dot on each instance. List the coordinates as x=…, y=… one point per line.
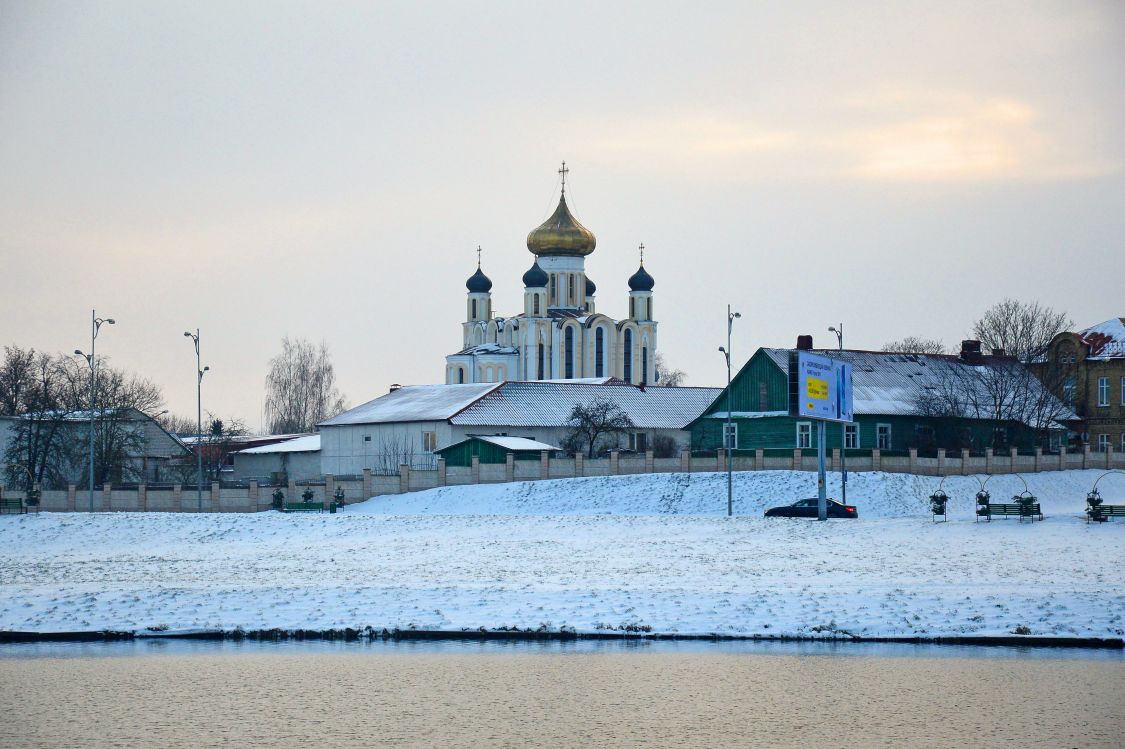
x=255, y=498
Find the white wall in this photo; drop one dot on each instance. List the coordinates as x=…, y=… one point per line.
x=344, y=452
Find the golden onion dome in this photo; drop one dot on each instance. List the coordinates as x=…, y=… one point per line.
x=561, y=235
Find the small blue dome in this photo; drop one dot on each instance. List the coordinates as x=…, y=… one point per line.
x=536, y=277
x=478, y=283
x=591, y=288
x=641, y=280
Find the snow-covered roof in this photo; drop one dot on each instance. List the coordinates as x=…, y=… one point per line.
x=890, y=384
x=549, y=403
x=1106, y=340
x=414, y=403
x=307, y=444
x=516, y=444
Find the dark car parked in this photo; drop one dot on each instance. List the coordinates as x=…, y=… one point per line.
x=806, y=508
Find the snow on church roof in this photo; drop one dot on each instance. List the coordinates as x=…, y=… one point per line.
x=414, y=403
x=1106, y=340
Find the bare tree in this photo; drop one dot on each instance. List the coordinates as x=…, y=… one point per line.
x=177, y=424
x=915, y=345
x=30, y=390
x=667, y=376
x=1021, y=329
x=301, y=387
x=589, y=422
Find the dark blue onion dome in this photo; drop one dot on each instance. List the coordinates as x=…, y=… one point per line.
x=478, y=283
x=641, y=280
x=591, y=288
x=536, y=277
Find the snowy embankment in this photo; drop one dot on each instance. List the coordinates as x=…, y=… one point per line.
x=595, y=554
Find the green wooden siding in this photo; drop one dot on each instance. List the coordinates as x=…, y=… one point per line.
x=462, y=453
x=761, y=386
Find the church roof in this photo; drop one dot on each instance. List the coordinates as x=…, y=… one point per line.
x=549, y=404
x=562, y=235
x=1106, y=340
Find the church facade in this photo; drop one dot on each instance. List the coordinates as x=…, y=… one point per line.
x=559, y=334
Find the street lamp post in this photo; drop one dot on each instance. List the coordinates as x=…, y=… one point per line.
x=95, y=326
x=843, y=427
x=198, y=421
x=727, y=446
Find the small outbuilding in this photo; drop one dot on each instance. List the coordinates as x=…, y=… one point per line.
x=493, y=449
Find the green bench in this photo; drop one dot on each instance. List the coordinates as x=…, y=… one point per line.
x=12, y=504
x=1105, y=512
x=304, y=507
x=1020, y=511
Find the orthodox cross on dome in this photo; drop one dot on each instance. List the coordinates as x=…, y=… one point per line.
x=642, y=249
x=478, y=257
x=563, y=171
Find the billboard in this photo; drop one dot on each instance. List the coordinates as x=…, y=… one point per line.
x=819, y=387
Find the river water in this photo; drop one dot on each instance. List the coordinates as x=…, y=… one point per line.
x=195, y=695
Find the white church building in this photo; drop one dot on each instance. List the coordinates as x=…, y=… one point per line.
x=559, y=335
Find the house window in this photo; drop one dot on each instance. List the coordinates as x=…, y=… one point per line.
x=599, y=352
x=851, y=436
x=883, y=436
x=569, y=350
x=1123, y=442
x=1103, y=443
x=639, y=442
x=763, y=397
x=804, y=434
x=1103, y=391
x=367, y=438
x=1070, y=391
x=628, y=368
x=730, y=436
x=429, y=441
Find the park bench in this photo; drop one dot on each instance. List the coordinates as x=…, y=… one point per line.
x=304, y=507
x=1105, y=512
x=1030, y=511
x=12, y=504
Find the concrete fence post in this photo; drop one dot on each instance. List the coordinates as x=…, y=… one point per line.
x=142, y=498
x=913, y=452
x=442, y=472
x=685, y=461
x=107, y=497
x=510, y=467
x=835, y=459
x=964, y=462
x=988, y=462
x=71, y=497
x=215, y=494
x=252, y=495
x=368, y=484
x=941, y=461
x=579, y=464
x=721, y=459
x=178, y=497
x=650, y=461
x=614, y=463
x=291, y=494
x=1038, y=459
x=1086, y=455
x=876, y=459
x=329, y=488
x=474, y=469
x=1013, y=460
x=796, y=459
x=403, y=478
x=759, y=459
x=544, y=464
x=1109, y=456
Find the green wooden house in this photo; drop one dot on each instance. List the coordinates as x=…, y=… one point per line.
x=493, y=449
x=892, y=392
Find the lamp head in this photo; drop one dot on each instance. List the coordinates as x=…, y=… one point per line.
x=832, y=328
x=738, y=314
x=206, y=369
x=111, y=321
x=723, y=349
x=187, y=334
x=78, y=353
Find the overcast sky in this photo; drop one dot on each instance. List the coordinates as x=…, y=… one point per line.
x=326, y=170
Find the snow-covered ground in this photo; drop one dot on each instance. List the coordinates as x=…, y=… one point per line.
x=599, y=553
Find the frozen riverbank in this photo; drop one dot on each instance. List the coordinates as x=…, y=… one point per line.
x=641, y=553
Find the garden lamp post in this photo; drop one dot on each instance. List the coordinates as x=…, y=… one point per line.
x=727, y=441
x=95, y=325
x=198, y=420
x=843, y=427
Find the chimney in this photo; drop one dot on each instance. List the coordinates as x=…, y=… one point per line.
x=998, y=352
x=641, y=387
x=395, y=387
x=804, y=343
x=970, y=352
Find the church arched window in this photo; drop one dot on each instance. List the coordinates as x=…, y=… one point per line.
x=569, y=349
x=649, y=308
x=539, y=376
x=474, y=309
x=644, y=364
x=599, y=352
x=570, y=297
x=628, y=364
x=460, y=375
x=535, y=304
x=632, y=307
